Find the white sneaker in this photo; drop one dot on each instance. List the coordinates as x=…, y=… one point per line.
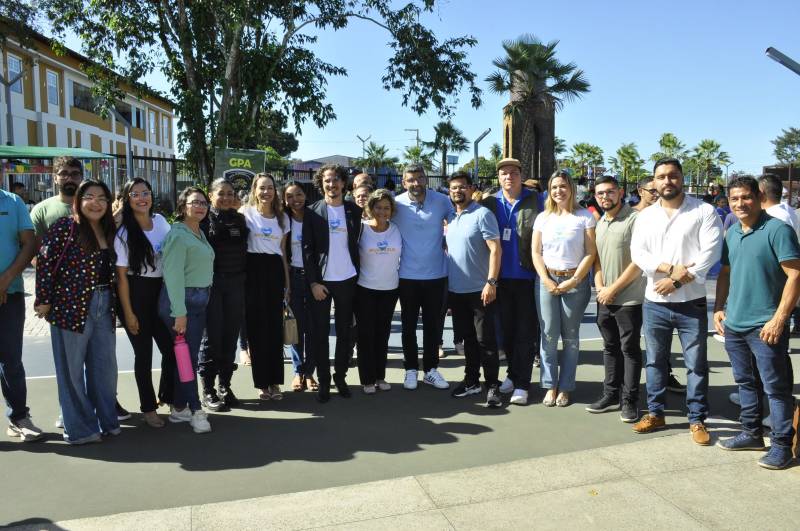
x=507, y=386
x=59, y=423
x=501, y=355
x=411, y=379
x=184, y=415
x=719, y=338
x=434, y=378
x=369, y=389
x=459, y=348
x=383, y=385
x=520, y=397
x=199, y=421
x=24, y=429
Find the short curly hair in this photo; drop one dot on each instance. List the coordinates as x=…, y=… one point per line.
x=341, y=174
x=379, y=195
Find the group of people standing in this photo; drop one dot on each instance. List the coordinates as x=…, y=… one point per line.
x=514, y=265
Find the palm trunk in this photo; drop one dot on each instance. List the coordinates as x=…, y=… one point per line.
x=545, y=126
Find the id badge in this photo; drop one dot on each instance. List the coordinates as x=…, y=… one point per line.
x=507, y=234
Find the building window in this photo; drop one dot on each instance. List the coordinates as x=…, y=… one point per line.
x=82, y=97
x=164, y=130
x=14, y=69
x=125, y=111
x=52, y=88
x=138, y=118
x=152, y=126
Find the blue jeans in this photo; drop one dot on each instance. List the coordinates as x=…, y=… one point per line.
x=12, y=372
x=86, y=373
x=299, y=296
x=691, y=321
x=751, y=358
x=561, y=316
x=196, y=302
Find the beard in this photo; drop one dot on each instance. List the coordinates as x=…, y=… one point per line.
x=69, y=189
x=672, y=194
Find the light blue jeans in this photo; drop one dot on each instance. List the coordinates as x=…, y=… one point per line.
x=560, y=316
x=86, y=373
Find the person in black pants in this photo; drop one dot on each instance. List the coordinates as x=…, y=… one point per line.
x=331, y=231
x=227, y=232
x=515, y=209
x=267, y=284
x=380, y=248
x=138, y=249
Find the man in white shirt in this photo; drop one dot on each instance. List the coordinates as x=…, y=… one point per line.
x=771, y=187
x=675, y=242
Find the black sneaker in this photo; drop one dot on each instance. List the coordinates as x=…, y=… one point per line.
x=493, y=397
x=342, y=387
x=629, y=413
x=605, y=403
x=122, y=413
x=465, y=389
x=211, y=401
x=227, y=396
x=674, y=385
x=537, y=362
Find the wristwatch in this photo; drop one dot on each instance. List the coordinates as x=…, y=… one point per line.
x=676, y=283
x=492, y=282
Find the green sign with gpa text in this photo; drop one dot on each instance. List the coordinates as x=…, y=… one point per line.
x=239, y=166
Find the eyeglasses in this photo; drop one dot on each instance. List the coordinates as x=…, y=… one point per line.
x=651, y=191
x=95, y=198
x=143, y=195
x=198, y=204
x=75, y=173
x=607, y=192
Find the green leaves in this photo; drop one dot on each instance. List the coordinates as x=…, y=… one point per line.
x=787, y=146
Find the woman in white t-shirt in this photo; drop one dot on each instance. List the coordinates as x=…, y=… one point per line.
x=303, y=364
x=380, y=247
x=563, y=253
x=267, y=284
x=139, y=281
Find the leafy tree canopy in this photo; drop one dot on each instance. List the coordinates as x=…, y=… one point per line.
x=787, y=146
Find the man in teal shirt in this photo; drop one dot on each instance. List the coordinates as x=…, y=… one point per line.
x=16, y=250
x=757, y=289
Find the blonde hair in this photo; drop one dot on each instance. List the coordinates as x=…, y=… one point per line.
x=378, y=195
x=277, y=204
x=550, y=205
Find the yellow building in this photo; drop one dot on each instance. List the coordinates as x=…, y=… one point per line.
x=52, y=105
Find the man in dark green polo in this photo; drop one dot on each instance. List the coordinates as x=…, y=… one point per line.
x=756, y=291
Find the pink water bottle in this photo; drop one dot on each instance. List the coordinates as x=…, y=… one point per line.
x=183, y=359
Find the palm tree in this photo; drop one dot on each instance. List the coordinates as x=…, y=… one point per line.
x=495, y=151
x=417, y=155
x=376, y=157
x=538, y=85
x=585, y=156
x=628, y=162
x=447, y=138
x=559, y=147
x=709, y=156
x=669, y=148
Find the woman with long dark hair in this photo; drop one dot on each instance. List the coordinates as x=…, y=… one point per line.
x=267, y=284
x=302, y=361
x=80, y=310
x=139, y=282
x=226, y=231
x=188, y=265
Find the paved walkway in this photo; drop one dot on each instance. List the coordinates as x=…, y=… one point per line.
x=661, y=483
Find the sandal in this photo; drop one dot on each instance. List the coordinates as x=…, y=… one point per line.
x=549, y=399
x=562, y=400
x=311, y=383
x=275, y=392
x=298, y=384
x=265, y=394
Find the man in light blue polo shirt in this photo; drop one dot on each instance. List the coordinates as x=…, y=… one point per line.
x=474, y=257
x=16, y=250
x=420, y=216
x=757, y=289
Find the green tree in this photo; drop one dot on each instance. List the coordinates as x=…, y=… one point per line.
x=447, y=139
x=584, y=156
x=495, y=151
x=417, y=155
x=708, y=159
x=787, y=146
x=376, y=157
x=669, y=147
x=226, y=61
x=486, y=167
x=559, y=146
x=538, y=85
x=628, y=162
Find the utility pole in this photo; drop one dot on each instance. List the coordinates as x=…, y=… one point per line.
x=363, y=143
x=417, y=131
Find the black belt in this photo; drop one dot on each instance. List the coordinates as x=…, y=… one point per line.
x=298, y=270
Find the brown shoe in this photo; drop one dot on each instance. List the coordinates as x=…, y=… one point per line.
x=700, y=434
x=649, y=423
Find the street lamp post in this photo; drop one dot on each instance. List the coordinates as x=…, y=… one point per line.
x=363, y=148
x=475, y=146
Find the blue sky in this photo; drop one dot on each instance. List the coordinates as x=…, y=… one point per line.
x=693, y=68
